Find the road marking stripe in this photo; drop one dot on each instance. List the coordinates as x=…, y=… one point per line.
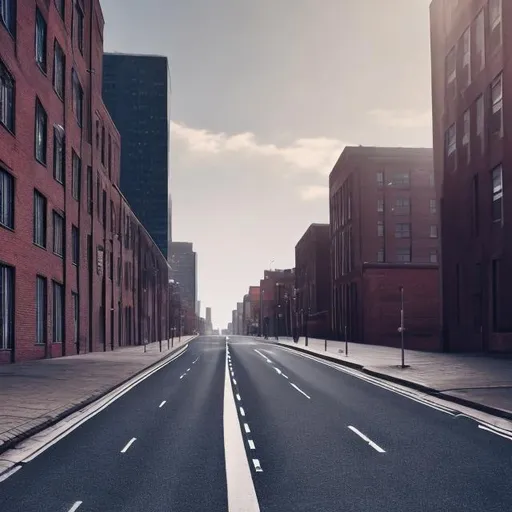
x=262, y=355
x=181, y=376
x=234, y=382
x=128, y=444
x=238, y=397
x=75, y=506
x=232, y=374
x=162, y=404
x=9, y=473
x=188, y=370
x=195, y=361
x=284, y=375
x=367, y=439
x=257, y=466
x=246, y=428
x=252, y=446
x=495, y=432
x=279, y=372
x=242, y=412
x=300, y=390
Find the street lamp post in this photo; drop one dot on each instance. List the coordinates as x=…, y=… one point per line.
x=402, y=326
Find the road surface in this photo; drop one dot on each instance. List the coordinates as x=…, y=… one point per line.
x=259, y=427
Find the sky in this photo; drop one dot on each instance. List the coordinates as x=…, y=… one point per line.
x=265, y=96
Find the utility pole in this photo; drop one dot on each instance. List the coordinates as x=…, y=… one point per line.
x=402, y=326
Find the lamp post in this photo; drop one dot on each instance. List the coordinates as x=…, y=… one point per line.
x=402, y=326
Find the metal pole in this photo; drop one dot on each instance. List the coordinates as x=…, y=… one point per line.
x=402, y=324
x=326, y=344
x=346, y=341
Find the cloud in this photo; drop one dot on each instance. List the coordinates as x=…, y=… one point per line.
x=406, y=118
x=314, y=192
x=307, y=154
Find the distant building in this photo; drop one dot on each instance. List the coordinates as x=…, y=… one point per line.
x=208, y=321
x=184, y=271
x=472, y=122
x=136, y=91
x=384, y=234
x=313, y=279
x=276, y=314
x=240, y=318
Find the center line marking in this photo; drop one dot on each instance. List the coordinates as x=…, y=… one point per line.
x=284, y=375
x=75, y=506
x=162, y=404
x=300, y=391
x=130, y=442
x=257, y=466
x=263, y=355
x=234, y=382
x=252, y=446
x=188, y=370
x=367, y=439
x=242, y=412
x=238, y=397
x=195, y=361
x=246, y=428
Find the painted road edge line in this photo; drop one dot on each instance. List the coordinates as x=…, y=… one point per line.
x=300, y=390
x=240, y=485
x=75, y=506
x=10, y=472
x=257, y=466
x=495, y=432
x=375, y=446
x=162, y=404
x=252, y=446
x=128, y=444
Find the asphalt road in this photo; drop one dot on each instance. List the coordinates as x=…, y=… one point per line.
x=315, y=439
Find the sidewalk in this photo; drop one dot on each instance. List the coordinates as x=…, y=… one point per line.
x=36, y=394
x=480, y=381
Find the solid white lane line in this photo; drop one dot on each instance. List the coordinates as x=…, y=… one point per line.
x=257, y=466
x=240, y=486
x=9, y=473
x=242, y=412
x=495, y=432
x=75, y=506
x=279, y=372
x=162, y=404
x=300, y=390
x=284, y=375
x=262, y=355
x=252, y=446
x=367, y=439
x=128, y=444
x=234, y=382
x=246, y=428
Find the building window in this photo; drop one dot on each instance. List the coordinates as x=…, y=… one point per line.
x=380, y=205
x=109, y=156
x=41, y=31
x=59, y=69
x=497, y=194
x=380, y=256
x=58, y=234
x=39, y=219
x=403, y=230
x=75, y=245
x=480, y=110
x=58, y=313
x=89, y=189
x=76, y=176
x=494, y=14
x=433, y=256
x=7, y=90
x=78, y=98
x=480, y=43
x=451, y=66
x=380, y=178
x=497, y=105
x=60, y=4
x=380, y=228
x=432, y=180
x=8, y=15
x=495, y=286
x=475, y=210
x=41, y=310
x=104, y=209
x=103, y=142
x=79, y=21
x=433, y=206
x=6, y=199
x=6, y=307
x=466, y=57
x=451, y=140
x=98, y=188
x=401, y=179
x=433, y=231
x=466, y=130
x=41, y=132
x=402, y=206
x=58, y=155
x=76, y=316
x=403, y=254
x=112, y=217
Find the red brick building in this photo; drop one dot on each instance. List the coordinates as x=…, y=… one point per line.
x=470, y=73
x=313, y=280
x=78, y=272
x=383, y=213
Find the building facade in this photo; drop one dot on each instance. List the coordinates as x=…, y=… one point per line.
x=383, y=211
x=470, y=72
x=313, y=279
x=183, y=261
x=78, y=272
x=136, y=90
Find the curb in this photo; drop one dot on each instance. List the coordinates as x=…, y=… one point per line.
x=500, y=413
x=11, y=443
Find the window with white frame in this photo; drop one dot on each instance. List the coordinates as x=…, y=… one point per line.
x=480, y=42
x=7, y=90
x=39, y=219
x=8, y=15
x=451, y=140
x=466, y=133
x=466, y=56
x=41, y=133
x=433, y=206
x=41, y=310
x=433, y=256
x=380, y=256
x=58, y=234
x=380, y=228
x=494, y=13
x=497, y=194
x=58, y=313
x=76, y=173
x=403, y=230
x=433, y=231
x=380, y=178
x=6, y=199
x=403, y=254
x=451, y=66
x=58, y=155
x=6, y=307
x=497, y=105
x=59, y=69
x=380, y=205
x=40, y=40
x=402, y=206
